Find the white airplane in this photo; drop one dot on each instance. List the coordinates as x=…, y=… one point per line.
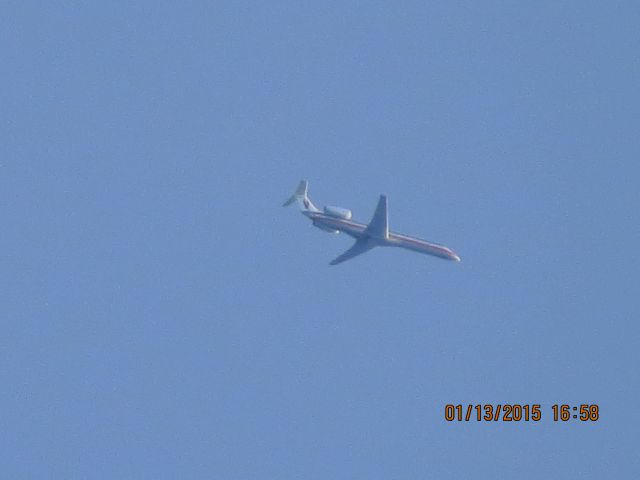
x=375, y=234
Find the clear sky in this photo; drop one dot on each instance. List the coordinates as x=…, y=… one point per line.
x=163, y=317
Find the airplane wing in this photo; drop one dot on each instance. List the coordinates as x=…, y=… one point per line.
x=362, y=245
x=379, y=225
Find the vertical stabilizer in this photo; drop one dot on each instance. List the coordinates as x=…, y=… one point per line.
x=301, y=196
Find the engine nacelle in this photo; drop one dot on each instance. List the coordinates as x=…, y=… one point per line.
x=338, y=212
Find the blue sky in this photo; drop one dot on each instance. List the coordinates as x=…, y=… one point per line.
x=164, y=317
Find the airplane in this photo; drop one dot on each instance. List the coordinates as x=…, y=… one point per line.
x=374, y=234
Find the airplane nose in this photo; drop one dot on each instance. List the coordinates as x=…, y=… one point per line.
x=455, y=257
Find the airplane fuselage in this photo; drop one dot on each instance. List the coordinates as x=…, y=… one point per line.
x=359, y=230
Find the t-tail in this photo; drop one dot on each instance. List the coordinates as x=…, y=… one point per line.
x=302, y=198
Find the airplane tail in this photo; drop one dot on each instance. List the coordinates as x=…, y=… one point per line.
x=302, y=198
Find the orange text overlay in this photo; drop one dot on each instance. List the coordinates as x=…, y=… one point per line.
x=516, y=412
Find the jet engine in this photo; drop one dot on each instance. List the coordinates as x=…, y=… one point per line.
x=338, y=212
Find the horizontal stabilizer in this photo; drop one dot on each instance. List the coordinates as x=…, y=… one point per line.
x=302, y=198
